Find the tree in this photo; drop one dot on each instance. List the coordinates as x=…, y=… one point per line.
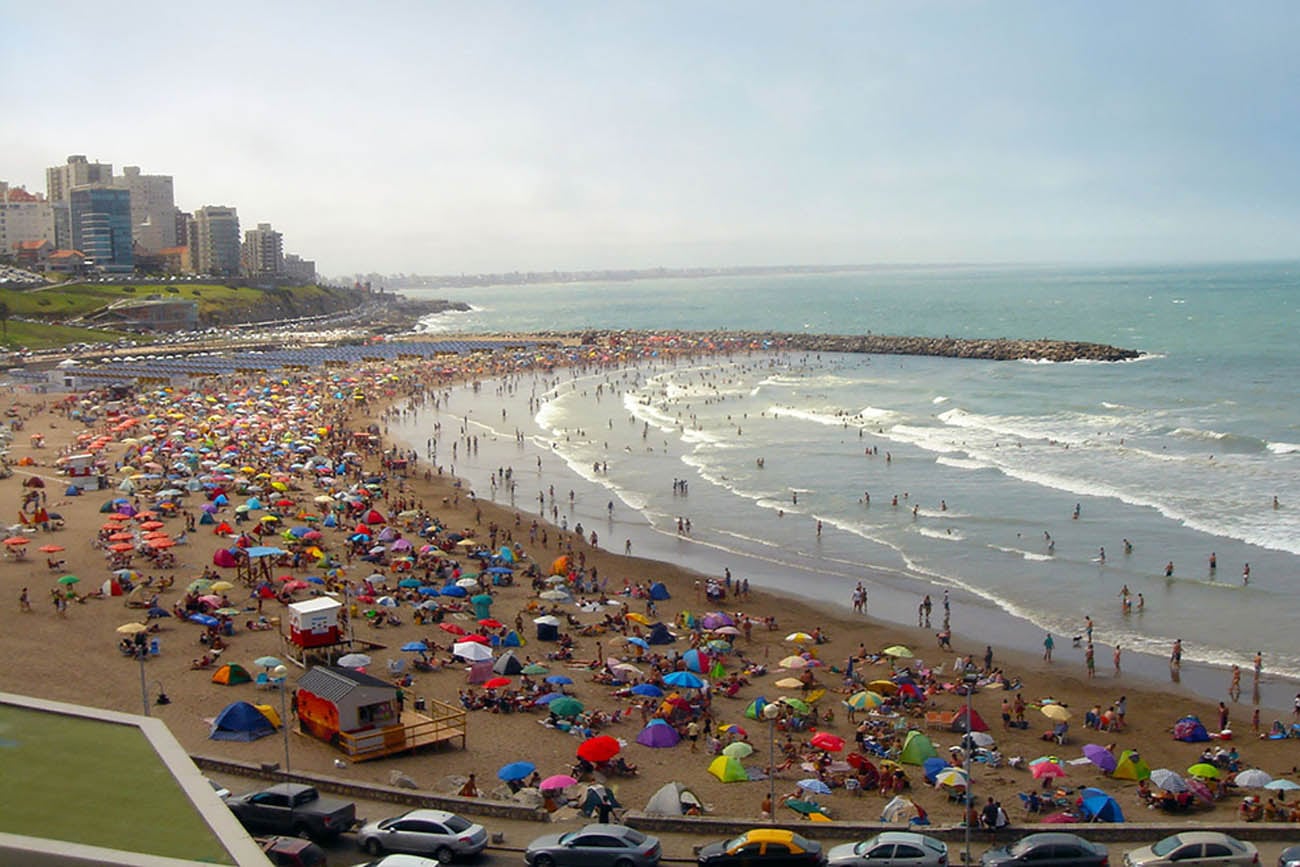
x=4, y=319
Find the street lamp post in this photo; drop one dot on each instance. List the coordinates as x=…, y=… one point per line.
x=282, y=674
x=770, y=713
x=968, y=744
x=140, y=654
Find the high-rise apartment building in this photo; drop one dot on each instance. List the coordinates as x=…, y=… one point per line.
x=214, y=242
x=302, y=272
x=59, y=183
x=263, y=252
x=153, y=208
x=100, y=220
x=24, y=217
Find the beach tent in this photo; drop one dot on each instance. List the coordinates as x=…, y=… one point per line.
x=482, y=604
x=512, y=639
x=240, y=721
x=696, y=661
x=561, y=565
x=1100, y=807
x=106, y=507
x=225, y=558
x=1131, y=766
x=480, y=672
x=1190, y=729
x=728, y=769
x=673, y=799
x=658, y=734
x=977, y=723
x=270, y=713
x=230, y=674
x=548, y=631
x=111, y=588
x=659, y=634
x=916, y=749
x=659, y=592
x=754, y=710
x=206, y=518
x=507, y=664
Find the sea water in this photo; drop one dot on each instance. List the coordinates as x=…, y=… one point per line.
x=1180, y=453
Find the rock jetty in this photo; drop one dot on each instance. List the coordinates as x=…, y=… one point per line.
x=990, y=349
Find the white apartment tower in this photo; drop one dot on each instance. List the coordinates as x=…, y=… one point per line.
x=24, y=216
x=153, y=208
x=263, y=252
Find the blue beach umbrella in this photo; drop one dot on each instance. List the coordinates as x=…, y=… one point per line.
x=453, y=590
x=648, y=690
x=515, y=771
x=415, y=647
x=429, y=591
x=559, y=679
x=203, y=619
x=684, y=680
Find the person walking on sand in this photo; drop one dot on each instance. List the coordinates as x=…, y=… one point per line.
x=24, y=601
x=1048, y=644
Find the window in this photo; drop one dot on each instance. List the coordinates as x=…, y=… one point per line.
x=778, y=849
x=903, y=851
x=1186, y=853
x=1217, y=850
x=882, y=852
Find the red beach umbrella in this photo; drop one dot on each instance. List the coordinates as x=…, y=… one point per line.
x=827, y=741
x=496, y=683
x=601, y=748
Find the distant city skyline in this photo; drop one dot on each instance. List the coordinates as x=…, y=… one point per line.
x=444, y=138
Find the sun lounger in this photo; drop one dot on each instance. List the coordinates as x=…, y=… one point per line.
x=940, y=719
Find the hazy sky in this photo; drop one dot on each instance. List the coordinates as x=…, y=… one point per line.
x=479, y=136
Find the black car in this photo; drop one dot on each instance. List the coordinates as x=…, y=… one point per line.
x=1047, y=850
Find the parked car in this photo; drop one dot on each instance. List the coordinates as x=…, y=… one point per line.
x=292, y=852
x=891, y=849
x=1290, y=857
x=1048, y=850
x=401, y=861
x=294, y=810
x=443, y=835
x=605, y=845
x=1195, y=849
x=763, y=847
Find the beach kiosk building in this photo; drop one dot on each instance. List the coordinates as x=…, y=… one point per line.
x=361, y=715
x=314, y=622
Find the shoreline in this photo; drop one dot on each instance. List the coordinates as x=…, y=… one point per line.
x=893, y=593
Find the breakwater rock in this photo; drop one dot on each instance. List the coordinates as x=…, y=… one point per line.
x=991, y=349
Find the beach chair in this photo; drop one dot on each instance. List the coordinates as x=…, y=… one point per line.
x=940, y=719
x=262, y=681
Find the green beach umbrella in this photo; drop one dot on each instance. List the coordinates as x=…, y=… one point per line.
x=566, y=707
x=534, y=668
x=898, y=651
x=798, y=705
x=737, y=750
x=69, y=579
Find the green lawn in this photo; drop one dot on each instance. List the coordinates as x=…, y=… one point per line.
x=40, y=336
x=95, y=783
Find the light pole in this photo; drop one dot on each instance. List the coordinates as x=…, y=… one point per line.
x=770, y=713
x=969, y=679
x=140, y=654
x=282, y=674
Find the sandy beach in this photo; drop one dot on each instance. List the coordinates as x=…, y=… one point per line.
x=254, y=426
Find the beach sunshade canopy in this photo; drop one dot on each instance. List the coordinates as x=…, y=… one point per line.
x=1282, y=785
x=1204, y=771
x=1047, y=769
x=738, y=750
x=354, y=660
x=899, y=810
x=601, y=748
x=954, y=777
x=683, y=680
x=566, y=707
x=1252, y=778
x=131, y=628
x=898, y=651
x=1100, y=807
x=865, y=700
x=1100, y=756
x=817, y=787
x=556, y=782
x=515, y=771
x=1055, y=712
x=828, y=742
x=1170, y=781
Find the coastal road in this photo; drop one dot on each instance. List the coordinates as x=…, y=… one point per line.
x=677, y=847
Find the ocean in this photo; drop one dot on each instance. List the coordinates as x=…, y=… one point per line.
x=1180, y=453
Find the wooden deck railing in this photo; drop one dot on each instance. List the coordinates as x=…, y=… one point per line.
x=440, y=724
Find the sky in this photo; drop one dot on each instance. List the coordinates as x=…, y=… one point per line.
x=468, y=137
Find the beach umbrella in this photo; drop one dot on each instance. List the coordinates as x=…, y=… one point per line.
x=817, y=787
x=566, y=706
x=409, y=583
x=732, y=729
x=683, y=680
x=1100, y=756
x=453, y=628
x=496, y=683
x=69, y=579
x=738, y=750
x=267, y=661
x=415, y=647
x=1055, y=712
x=647, y=690
x=203, y=619
x=559, y=781
x=1168, y=780
x=799, y=637
x=1048, y=769
x=471, y=651
x=221, y=586
x=1252, y=778
x=898, y=651
x=490, y=622
x=726, y=630
x=828, y=742
x=951, y=777
x=536, y=668
x=50, y=549
x=553, y=595
x=1200, y=790
x=549, y=697
x=515, y=771
x=131, y=628
x=1281, y=785
x=453, y=590
x=865, y=700
x=428, y=591
x=16, y=541
x=789, y=683
x=354, y=660
x=1100, y=807
x=797, y=705
x=637, y=618
x=638, y=641
x=794, y=662
x=559, y=679
x=601, y=748
x=1204, y=770
x=899, y=809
